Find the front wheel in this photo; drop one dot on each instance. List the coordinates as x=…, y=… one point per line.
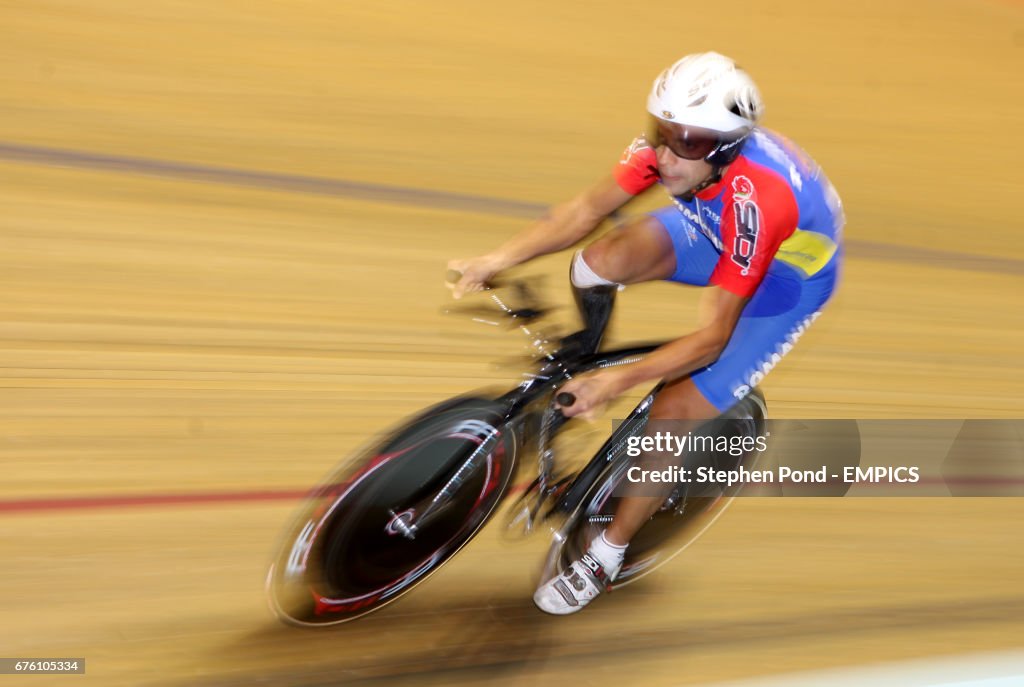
x=686, y=514
x=353, y=548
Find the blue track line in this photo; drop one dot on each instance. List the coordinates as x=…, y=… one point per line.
x=417, y=197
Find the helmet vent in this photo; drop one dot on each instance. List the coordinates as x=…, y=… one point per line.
x=707, y=91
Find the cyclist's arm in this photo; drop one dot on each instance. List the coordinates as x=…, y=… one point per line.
x=563, y=225
x=693, y=351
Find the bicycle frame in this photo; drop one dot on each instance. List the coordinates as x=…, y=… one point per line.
x=555, y=367
x=489, y=430
x=571, y=489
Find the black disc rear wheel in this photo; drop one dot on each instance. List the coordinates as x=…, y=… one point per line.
x=351, y=552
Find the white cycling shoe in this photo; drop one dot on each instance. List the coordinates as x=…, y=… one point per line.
x=583, y=581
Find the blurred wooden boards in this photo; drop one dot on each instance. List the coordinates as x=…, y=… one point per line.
x=913, y=108
x=173, y=597
x=172, y=336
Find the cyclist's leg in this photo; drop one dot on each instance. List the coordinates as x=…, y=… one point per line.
x=653, y=247
x=694, y=259
x=659, y=246
x=638, y=251
x=769, y=327
x=771, y=324
x=683, y=403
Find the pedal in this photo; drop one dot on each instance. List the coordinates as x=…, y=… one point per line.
x=523, y=517
x=520, y=523
x=558, y=487
x=674, y=501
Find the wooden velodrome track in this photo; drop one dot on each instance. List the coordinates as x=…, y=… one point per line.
x=223, y=230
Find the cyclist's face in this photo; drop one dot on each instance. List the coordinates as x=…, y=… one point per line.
x=678, y=174
x=681, y=151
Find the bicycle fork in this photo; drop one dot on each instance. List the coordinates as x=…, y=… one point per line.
x=407, y=523
x=545, y=485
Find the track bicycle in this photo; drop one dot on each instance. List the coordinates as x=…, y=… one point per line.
x=393, y=515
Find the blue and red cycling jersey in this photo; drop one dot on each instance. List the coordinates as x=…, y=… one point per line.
x=770, y=230
x=772, y=203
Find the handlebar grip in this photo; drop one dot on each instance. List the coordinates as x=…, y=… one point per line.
x=565, y=399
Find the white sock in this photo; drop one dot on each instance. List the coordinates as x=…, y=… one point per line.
x=607, y=554
x=582, y=276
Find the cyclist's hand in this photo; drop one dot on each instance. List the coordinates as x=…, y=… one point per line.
x=474, y=273
x=592, y=391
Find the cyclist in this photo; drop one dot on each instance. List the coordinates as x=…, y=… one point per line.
x=752, y=218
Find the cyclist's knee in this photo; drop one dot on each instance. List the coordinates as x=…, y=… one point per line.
x=682, y=400
x=638, y=252
x=584, y=276
x=606, y=259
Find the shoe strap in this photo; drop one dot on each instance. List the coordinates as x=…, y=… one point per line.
x=593, y=569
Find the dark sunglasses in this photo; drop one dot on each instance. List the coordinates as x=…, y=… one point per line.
x=685, y=142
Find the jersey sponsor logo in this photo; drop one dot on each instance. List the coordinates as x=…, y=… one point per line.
x=748, y=226
x=691, y=234
x=711, y=214
x=688, y=213
x=763, y=367
x=748, y=222
x=694, y=221
x=691, y=223
x=742, y=188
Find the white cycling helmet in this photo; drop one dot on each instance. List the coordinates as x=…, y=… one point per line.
x=708, y=91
